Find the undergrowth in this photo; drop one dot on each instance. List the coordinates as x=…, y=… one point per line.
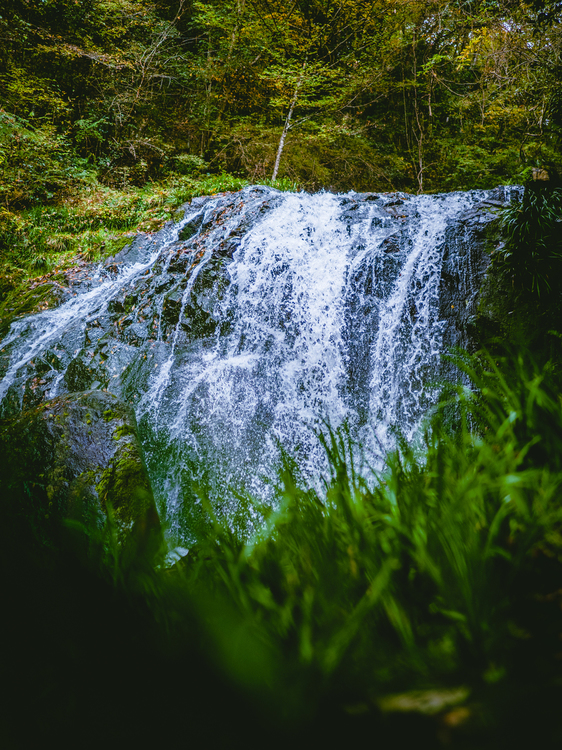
x=440, y=574
x=415, y=574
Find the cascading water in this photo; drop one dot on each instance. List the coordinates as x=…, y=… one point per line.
x=252, y=319
x=406, y=355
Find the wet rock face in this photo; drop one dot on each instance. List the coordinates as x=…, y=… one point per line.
x=226, y=331
x=114, y=343
x=176, y=300
x=78, y=456
x=62, y=375
x=465, y=261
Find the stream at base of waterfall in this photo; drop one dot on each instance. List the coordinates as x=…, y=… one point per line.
x=255, y=319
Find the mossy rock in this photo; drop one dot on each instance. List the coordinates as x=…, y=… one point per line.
x=67, y=459
x=28, y=301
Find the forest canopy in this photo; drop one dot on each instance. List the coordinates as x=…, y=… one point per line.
x=371, y=94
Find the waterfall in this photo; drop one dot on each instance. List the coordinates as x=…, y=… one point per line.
x=406, y=354
x=254, y=320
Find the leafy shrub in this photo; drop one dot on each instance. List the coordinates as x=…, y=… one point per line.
x=532, y=253
x=37, y=165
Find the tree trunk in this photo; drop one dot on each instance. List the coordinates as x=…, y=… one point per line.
x=287, y=125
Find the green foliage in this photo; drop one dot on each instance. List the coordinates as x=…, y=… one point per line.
x=476, y=166
x=415, y=574
x=532, y=253
x=440, y=570
x=37, y=164
x=423, y=96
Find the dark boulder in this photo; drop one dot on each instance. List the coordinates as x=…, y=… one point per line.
x=78, y=457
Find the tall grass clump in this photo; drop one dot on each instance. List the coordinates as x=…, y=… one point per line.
x=431, y=586
x=435, y=571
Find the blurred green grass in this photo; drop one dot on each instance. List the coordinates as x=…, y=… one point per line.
x=421, y=603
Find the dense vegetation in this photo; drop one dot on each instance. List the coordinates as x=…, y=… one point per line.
x=382, y=94
x=430, y=591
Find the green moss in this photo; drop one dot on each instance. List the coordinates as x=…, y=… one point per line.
x=40, y=450
x=123, y=431
x=115, y=245
x=124, y=487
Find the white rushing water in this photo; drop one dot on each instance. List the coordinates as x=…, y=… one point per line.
x=406, y=355
x=29, y=337
x=330, y=310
